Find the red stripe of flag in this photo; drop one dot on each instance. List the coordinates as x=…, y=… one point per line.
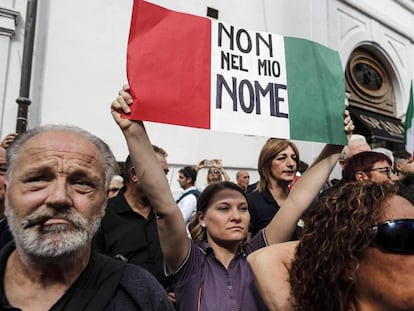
x=168, y=66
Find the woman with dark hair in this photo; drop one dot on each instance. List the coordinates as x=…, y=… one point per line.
x=356, y=253
x=211, y=271
x=368, y=165
x=197, y=230
x=277, y=166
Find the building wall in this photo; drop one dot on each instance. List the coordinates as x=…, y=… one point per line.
x=79, y=64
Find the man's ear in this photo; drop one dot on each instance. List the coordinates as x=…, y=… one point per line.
x=398, y=167
x=360, y=176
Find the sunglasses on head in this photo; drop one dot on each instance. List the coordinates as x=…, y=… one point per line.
x=394, y=236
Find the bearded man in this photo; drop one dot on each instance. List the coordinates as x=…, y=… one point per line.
x=58, y=178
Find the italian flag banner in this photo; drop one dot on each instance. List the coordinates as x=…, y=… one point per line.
x=409, y=123
x=193, y=71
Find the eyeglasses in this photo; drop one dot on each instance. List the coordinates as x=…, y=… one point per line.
x=215, y=171
x=387, y=170
x=394, y=236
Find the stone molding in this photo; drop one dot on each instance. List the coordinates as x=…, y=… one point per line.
x=8, y=22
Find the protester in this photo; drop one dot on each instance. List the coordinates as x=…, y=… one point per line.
x=7, y=140
x=356, y=253
x=243, y=179
x=117, y=182
x=368, y=165
x=216, y=171
x=403, y=163
x=356, y=144
x=5, y=235
x=128, y=230
x=187, y=202
x=213, y=274
x=57, y=182
x=277, y=167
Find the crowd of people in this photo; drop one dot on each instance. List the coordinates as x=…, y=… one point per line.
x=75, y=235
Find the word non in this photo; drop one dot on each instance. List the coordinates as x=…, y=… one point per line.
x=243, y=41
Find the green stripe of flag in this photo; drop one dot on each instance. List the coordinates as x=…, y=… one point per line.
x=316, y=81
x=409, y=115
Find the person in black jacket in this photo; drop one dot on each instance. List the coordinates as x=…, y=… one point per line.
x=58, y=178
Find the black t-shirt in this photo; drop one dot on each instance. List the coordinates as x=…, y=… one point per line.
x=128, y=236
x=5, y=234
x=263, y=207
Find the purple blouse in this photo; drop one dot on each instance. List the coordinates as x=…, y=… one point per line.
x=203, y=283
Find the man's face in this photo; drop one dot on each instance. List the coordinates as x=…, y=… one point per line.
x=243, y=179
x=56, y=195
x=3, y=171
x=114, y=187
x=385, y=280
x=183, y=181
x=405, y=166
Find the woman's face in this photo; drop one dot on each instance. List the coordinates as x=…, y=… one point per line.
x=214, y=175
x=226, y=219
x=284, y=165
x=385, y=280
x=380, y=172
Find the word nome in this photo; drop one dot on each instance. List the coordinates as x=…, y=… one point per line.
x=254, y=92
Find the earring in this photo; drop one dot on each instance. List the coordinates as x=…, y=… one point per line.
x=203, y=225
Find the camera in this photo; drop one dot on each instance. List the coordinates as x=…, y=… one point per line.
x=209, y=163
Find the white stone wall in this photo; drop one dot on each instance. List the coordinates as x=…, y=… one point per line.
x=79, y=64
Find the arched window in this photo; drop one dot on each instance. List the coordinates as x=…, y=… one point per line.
x=371, y=100
x=368, y=83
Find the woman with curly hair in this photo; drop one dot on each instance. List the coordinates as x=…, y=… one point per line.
x=356, y=253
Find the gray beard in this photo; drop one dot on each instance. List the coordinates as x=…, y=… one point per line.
x=46, y=243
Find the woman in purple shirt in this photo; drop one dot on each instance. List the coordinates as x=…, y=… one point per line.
x=211, y=271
